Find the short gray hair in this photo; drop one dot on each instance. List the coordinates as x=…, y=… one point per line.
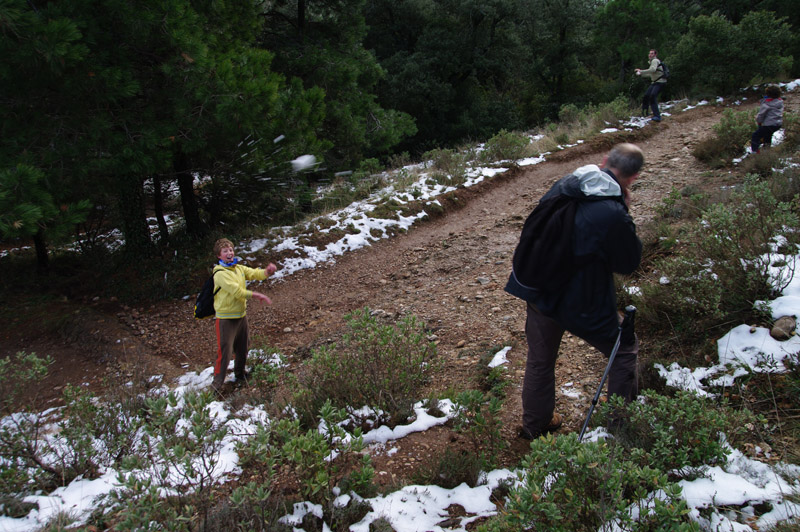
x=627, y=158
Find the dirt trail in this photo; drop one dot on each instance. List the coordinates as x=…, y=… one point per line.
x=449, y=271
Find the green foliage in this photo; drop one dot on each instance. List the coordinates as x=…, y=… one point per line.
x=21, y=449
x=451, y=65
x=505, y=146
x=590, y=119
x=572, y=486
x=719, y=56
x=452, y=163
x=266, y=366
x=725, y=262
x=683, y=203
x=731, y=136
x=180, y=447
x=478, y=417
x=171, y=91
x=676, y=434
x=393, y=362
x=494, y=380
x=449, y=469
x=29, y=208
x=327, y=458
x=634, y=19
x=251, y=508
x=558, y=35
x=791, y=132
x=322, y=44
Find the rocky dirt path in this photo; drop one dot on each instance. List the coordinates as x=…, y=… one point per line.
x=450, y=272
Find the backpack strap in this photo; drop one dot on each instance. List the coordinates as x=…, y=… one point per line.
x=661, y=66
x=216, y=288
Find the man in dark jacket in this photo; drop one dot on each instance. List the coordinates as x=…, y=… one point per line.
x=604, y=242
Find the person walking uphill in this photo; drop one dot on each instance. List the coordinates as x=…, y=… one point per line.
x=230, y=305
x=769, y=118
x=657, y=78
x=603, y=242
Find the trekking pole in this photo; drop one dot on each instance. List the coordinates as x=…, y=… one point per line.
x=627, y=322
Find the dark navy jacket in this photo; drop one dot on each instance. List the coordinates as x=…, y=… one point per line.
x=604, y=242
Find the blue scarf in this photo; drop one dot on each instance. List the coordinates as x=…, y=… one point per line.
x=229, y=264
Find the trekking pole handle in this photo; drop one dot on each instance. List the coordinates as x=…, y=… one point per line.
x=628, y=325
x=630, y=313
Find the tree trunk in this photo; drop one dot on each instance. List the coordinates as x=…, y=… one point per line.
x=191, y=213
x=158, y=207
x=42, y=258
x=301, y=18
x=623, y=68
x=130, y=202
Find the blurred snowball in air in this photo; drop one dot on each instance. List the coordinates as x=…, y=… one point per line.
x=304, y=162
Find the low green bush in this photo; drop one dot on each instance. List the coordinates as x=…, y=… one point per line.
x=596, y=116
x=725, y=264
x=731, y=137
x=478, y=416
x=676, y=434
x=451, y=162
x=505, y=146
x=392, y=361
x=25, y=466
x=326, y=461
x=617, y=109
x=180, y=448
x=568, y=486
x=791, y=132
x=448, y=469
x=251, y=506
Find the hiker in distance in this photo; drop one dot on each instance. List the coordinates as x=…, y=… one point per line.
x=597, y=239
x=657, y=80
x=769, y=119
x=230, y=304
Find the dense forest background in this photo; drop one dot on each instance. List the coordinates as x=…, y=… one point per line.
x=110, y=106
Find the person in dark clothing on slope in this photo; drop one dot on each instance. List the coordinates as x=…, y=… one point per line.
x=657, y=80
x=604, y=242
x=769, y=119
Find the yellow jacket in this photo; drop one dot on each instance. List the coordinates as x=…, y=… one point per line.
x=230, y=301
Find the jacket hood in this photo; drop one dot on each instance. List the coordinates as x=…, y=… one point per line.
x=775, y=103
x=595, y=182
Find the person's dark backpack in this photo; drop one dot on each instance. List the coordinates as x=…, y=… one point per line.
x=544, y=259
x=204, y=305
x=664, y=70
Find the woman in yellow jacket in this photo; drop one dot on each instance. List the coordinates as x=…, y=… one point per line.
x=230, y=306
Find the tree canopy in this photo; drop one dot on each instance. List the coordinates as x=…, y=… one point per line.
x=106, y=104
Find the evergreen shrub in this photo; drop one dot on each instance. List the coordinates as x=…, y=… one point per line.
x=448, y=469
x=676, y=434
x=505, y=146
x=392, y=361
x=568, y=486
x=731, y=138
x=25, y=467
x=726, y=262
x=478, y=416
x=451, y=162
x=325, y=459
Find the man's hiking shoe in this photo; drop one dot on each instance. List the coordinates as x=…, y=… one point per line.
x=554, y=425
x=656, y=119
